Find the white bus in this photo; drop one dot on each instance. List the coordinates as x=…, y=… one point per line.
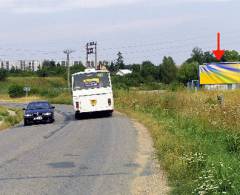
x=92, y=92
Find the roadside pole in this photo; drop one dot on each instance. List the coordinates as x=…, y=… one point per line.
x=68, y=52
x=27, y=90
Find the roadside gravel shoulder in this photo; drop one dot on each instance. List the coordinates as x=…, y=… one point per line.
x=150, y=178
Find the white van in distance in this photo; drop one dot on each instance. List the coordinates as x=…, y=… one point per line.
x=92, y=92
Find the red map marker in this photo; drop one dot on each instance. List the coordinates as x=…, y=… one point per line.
x=218, y=53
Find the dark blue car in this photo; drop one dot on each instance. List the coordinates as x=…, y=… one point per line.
x=38, y=112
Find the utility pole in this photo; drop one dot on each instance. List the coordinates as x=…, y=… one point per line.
x=68, y=52
x=87, y=53
x=91, y=49
x=96, y=65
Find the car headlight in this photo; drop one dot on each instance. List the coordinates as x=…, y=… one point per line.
x=47, y=114
x=28, y=115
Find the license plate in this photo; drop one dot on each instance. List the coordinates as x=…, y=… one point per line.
x=38, y=118
x=93, y=102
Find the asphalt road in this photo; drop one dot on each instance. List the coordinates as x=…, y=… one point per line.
x=82, y=157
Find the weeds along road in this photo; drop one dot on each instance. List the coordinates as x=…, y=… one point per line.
x=89, y=156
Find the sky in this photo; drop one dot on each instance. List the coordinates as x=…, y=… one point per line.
x=140, y=29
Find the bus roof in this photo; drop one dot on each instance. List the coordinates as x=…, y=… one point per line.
x=90, y=71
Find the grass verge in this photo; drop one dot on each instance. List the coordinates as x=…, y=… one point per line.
x=200, y=156
x=6, y=98
x=9, y=117
x=63, y=98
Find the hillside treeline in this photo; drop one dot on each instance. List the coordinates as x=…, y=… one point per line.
x=146, y=73
x=168, y=72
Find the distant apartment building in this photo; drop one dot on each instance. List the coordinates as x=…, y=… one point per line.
x=64, y=63
x=31, y=65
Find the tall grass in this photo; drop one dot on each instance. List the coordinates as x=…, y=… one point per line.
x=38, y=85
x=7, y=120
x=63, y=98
x=196, y=138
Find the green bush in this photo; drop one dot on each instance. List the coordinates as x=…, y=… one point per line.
x=42, y=73
x=3, y=74
x=3, y=112
x=16, y=91
x=153, y=86
x=175, y=86
x=34, y=91
x=233, y=143
x=50, y=93
x=63, y=98
x=12, y=120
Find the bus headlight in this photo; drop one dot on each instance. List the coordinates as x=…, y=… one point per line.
x=109, y=101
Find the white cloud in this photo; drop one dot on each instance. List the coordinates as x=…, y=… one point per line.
x=181, y=2
x=43, y=6
x=138, y=25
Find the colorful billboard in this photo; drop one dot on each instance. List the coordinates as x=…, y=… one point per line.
x=219, y=74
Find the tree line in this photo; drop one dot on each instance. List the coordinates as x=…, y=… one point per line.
x=168, y=72
x=145, y=73
x=49, y=68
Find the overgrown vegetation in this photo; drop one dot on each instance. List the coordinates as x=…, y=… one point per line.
x=64, y=98
x=196, y=139
x=15, y=91
x=53, y=89
x=9, y=117
x=3, y=74
x=39, y=86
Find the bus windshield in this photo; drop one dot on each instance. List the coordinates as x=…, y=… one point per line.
x=91, y=81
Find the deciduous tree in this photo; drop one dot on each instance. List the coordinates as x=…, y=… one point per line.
x=168, y=70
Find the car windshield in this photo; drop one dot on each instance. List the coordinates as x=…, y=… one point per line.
x=91, y=81
x=38, y=105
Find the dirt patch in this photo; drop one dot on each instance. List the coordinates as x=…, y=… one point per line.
x=150, y=178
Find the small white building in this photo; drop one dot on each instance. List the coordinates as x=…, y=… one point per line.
x=123, y=72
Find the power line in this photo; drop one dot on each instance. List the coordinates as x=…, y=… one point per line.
x=156, y=43
x=147, y=48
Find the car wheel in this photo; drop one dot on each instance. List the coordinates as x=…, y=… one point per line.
x=50, y=120
x=26, y=123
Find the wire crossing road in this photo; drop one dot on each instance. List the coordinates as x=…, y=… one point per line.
x=89, y=156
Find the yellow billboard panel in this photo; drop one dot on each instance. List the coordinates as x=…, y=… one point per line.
x=219, y=74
